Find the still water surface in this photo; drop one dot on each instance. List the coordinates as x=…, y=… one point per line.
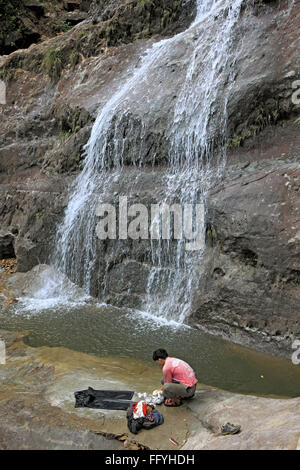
x=106, y=331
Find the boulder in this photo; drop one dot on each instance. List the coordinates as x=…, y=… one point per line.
x=7, y=249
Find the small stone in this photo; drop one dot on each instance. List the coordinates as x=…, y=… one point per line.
x=290, y=74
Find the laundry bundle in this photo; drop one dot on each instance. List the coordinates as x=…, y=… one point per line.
x=141, y=415
x=104, y=399
x=156, y=398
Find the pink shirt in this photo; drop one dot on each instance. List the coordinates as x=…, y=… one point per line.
x=176, y=370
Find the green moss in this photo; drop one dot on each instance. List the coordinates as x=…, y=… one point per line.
x=254, y=130
x=111, y=28
x=297, y=121
x=53, y=63
x=64, y=135
x=169, y=15
x=236, y=142
x=61, y=27
x=165, y=18
x=70, y=123
x=74, y=56
x=40, y=213
x=75, y=127
x=7, y=74
x=211, y=236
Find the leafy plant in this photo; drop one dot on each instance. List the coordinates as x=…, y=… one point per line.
x=63, y=26
x=66, y=26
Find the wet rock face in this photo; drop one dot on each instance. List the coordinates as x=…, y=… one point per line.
x=14, y=34
x=262, y=92
x=103, y=24
x=32, y=219
x=54, y=90
x=251, y=268
x=27, y=22
x=142, y=18
x=6, y=245
x=248, y=281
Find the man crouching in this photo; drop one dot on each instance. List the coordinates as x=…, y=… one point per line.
x=179, y=380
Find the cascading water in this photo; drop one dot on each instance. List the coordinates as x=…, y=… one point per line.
x=196, y=132
x=198, y=138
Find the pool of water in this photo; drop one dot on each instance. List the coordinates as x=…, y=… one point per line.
x=106, y=331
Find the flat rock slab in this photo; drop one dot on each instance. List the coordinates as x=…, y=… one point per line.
x=37, y=411
x=266, y=423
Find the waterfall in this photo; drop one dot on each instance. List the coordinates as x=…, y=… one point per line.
x=198, y=138
x=196, y=134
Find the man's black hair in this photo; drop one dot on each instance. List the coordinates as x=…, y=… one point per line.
x=160, y=354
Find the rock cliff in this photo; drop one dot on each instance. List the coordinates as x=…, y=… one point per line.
x=249, y=278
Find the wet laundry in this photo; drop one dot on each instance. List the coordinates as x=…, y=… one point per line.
x=103, y=399
x=156, y=398
x=141, y=415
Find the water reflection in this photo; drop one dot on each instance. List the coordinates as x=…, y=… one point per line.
x=110, y=332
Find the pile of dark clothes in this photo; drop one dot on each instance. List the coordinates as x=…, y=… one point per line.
x=103, y=399
x=143, y=416
x=140, y=415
